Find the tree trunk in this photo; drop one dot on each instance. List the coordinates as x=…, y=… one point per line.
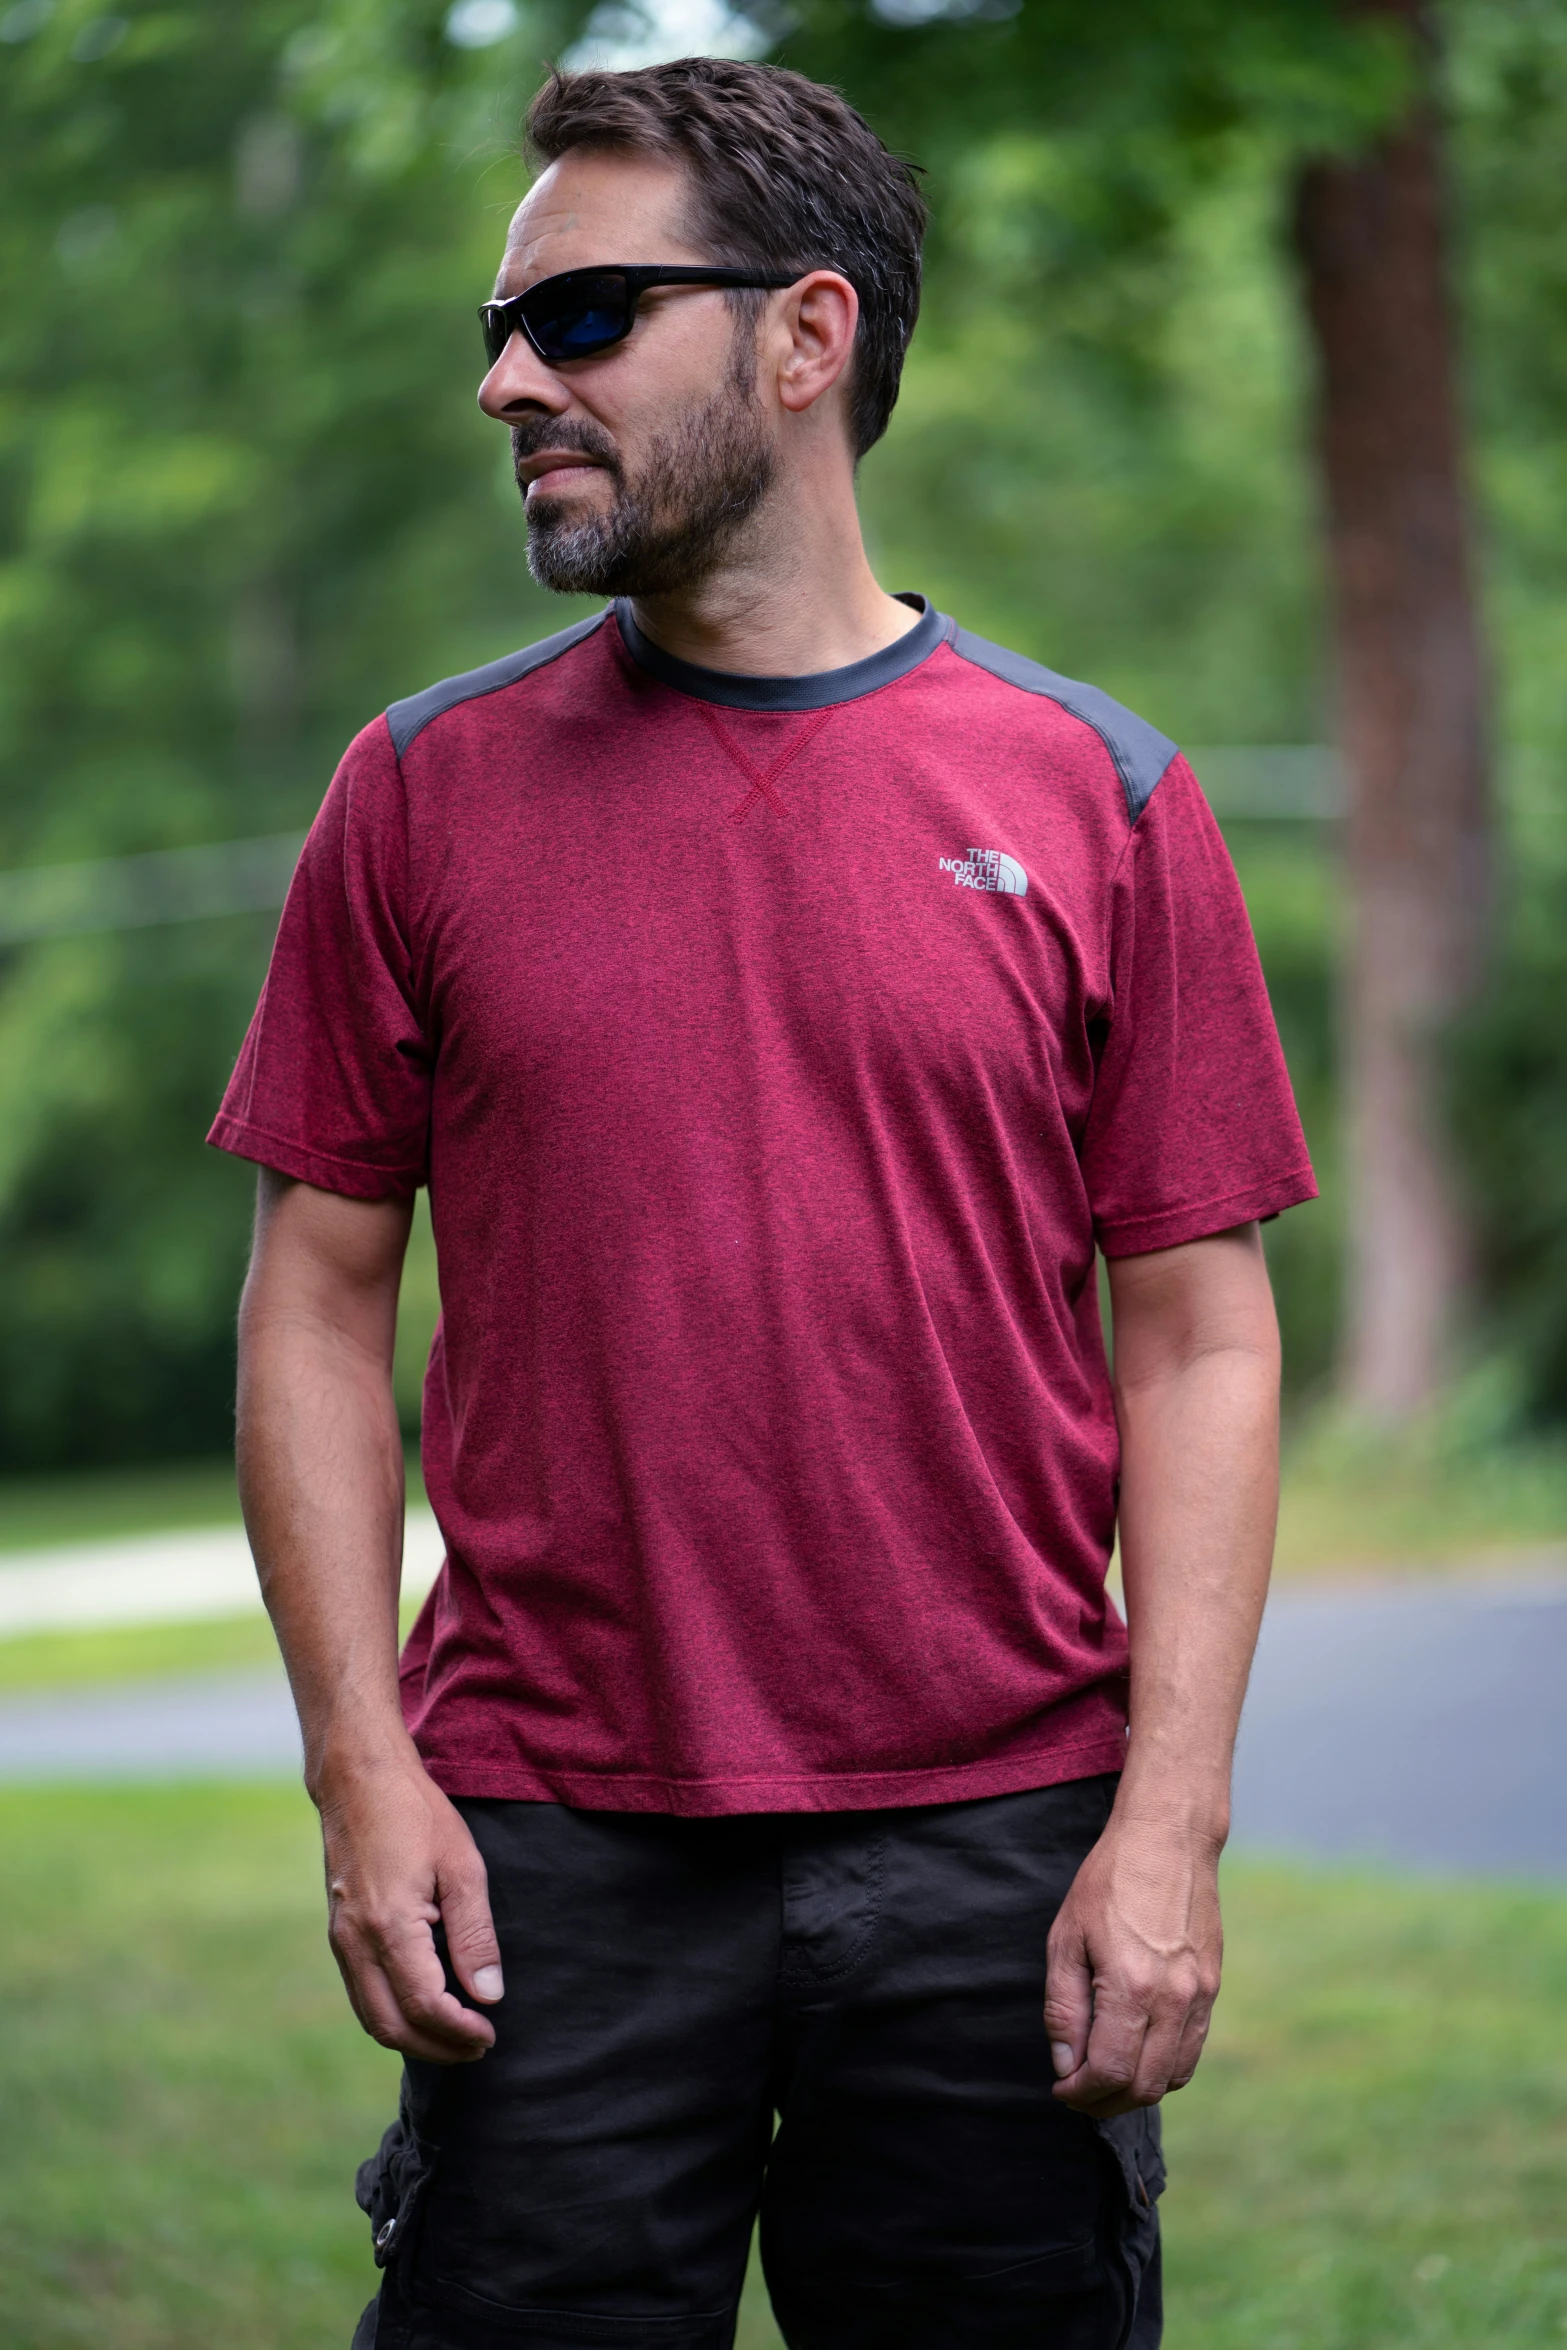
x=1370, y=234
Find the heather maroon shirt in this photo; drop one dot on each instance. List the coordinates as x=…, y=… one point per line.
x=776, y=1050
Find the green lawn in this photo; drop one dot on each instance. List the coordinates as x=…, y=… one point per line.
x=1440, y=1500
x=96, y=1505
x=1374, y=2156
x=99, y=1505
x=140, y=1652
x=134, y=1652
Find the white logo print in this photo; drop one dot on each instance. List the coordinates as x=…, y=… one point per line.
x=988, y=869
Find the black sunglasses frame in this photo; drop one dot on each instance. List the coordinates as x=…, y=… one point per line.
x=499, y=321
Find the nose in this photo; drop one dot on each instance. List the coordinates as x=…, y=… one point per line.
x=519, y=385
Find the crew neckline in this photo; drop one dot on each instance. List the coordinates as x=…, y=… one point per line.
x=818, y=691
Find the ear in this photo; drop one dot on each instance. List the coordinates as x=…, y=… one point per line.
x=817, y=317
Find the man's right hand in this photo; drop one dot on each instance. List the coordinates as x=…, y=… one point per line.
x=399, y=1859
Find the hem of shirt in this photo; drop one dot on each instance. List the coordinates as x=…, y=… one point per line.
x=1135, y=1236
x=349, y=1177
x=722, y=1798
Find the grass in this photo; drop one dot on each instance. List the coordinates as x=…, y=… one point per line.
x=1374, y=2156
x=134, y=1652
x=96, y=1505
x=142, y=1652
x=185, y=2104
x=99, y=1505
x=1446, y=1495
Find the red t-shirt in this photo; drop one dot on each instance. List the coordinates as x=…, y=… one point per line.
x=776, y=1051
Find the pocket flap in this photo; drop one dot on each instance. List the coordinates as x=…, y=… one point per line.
x=1135, y=2139
x=388, y=2187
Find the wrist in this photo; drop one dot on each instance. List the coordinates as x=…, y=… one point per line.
x=346, y=1760
x=1195, y=1815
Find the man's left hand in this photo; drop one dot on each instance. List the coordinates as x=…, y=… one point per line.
x=1134, y=1959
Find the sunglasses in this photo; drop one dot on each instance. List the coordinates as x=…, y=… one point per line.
x=587, y=310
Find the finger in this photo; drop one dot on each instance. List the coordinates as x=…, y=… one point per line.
x=1108, y=2071
x=1193, y=2039
x=1156, y=2058
x=463, y=1891
x=384, y=2020
x=1069, y=1999
x=350, y=1986
x=370, y=1995
x=406, y=1955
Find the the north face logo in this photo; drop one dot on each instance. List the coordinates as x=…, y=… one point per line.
x=988, y=869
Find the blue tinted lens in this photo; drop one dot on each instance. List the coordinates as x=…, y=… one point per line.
x=579, y=319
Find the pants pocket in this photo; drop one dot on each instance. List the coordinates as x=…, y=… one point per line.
x=1134, y=2143
x=390, y=2186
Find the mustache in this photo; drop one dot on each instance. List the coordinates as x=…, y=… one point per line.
x=544, y=432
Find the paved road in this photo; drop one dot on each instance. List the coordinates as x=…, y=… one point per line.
x=208, y=1725
x=1423, y=1726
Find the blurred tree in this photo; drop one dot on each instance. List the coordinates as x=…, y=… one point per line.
x=1508, y=78
x=1111, y=123
x=1508, y=1103
x=1371, y=233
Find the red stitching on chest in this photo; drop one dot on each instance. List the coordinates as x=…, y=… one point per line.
x=762, y=779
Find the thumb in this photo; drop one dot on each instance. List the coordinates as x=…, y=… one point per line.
x=463, y=1891
x=1069, y=1999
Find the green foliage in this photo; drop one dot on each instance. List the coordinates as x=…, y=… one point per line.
x=1510, y=1112
x=1149, y=95
x=1101, y=468
x=104, y=1505
x=1289, y=875
x=1510, y=1059
x=246, y=499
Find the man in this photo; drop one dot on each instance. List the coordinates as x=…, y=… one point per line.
x=781, y=992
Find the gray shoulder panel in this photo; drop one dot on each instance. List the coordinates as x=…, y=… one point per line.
x=410, y=718
x=1140, y=752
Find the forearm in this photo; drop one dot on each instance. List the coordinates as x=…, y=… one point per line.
x=321, y=1479
x=1135, y=1951
x=321, y=1485
x=1199, y=1500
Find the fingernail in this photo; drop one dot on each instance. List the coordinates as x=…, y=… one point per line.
x=487, y=1982
x=1062, y=2058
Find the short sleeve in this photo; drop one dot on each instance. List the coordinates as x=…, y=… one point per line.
x=332, y=1084
x=1192, y=1127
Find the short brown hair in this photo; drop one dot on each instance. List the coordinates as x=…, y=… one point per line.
x=785, y=177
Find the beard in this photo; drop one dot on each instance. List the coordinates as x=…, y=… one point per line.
x=671, y=524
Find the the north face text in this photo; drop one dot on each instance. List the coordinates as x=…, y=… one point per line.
x=988, y=869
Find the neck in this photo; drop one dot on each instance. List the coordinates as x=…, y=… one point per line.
x=796, y=595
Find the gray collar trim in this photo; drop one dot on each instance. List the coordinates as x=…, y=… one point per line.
x=817, y=692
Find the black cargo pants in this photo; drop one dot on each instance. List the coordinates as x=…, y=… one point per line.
x=874, y=1981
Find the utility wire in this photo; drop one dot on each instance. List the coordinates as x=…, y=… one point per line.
x=1288, y=781
x=135, y=893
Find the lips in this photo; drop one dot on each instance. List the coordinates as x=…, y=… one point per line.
x=551, y=467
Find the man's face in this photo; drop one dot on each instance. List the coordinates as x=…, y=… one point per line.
x=639, y=467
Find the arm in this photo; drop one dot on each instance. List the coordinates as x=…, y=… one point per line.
x=321, y=1482
x=1135, y=1952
